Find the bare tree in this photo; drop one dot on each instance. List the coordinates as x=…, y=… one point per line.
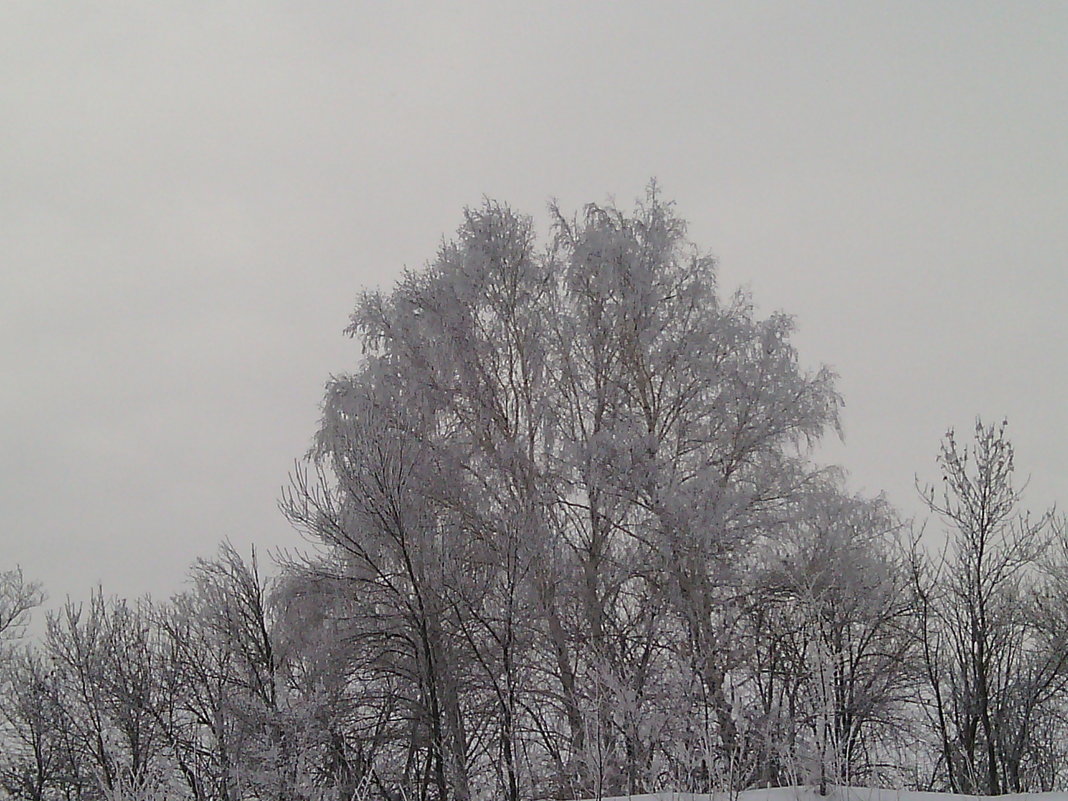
x=694, y=430
x=35, y=761
x=983, y=661
x=17, y=598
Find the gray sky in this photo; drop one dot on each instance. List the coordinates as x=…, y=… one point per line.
x=193, y=193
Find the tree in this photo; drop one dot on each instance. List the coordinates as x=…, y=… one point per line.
x=983, y=657
x=431, y=446
x=694, y=416
x=20, y=691
x=105, y=657
x=834, y=646
x=36, y=754
x=17, y=598
x=533, y=490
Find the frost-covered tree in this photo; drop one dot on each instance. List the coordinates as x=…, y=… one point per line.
x=17, y=598
x=104, y=659
x=568, y=541
x=433, y=506
x=834, y=654
x=696, y=417
x=35, y=761
x=534, y=489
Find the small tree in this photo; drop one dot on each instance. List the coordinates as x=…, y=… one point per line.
x=538, y=489
x=34, y=759
x=980, y=642
x=833, y=652
x=17, y=598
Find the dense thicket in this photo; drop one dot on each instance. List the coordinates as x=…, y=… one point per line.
x=568, y=540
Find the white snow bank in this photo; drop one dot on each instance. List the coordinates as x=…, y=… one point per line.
x=833, y=794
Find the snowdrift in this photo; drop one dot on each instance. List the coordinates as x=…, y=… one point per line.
x=833, y=794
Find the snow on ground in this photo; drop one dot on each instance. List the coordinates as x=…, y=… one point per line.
x=833, y=794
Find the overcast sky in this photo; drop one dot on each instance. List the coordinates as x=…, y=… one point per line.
x=193, y=194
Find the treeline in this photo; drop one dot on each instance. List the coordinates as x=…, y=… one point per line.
x=566, y=539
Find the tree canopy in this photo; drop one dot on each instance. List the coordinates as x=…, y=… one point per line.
x=568, y=540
